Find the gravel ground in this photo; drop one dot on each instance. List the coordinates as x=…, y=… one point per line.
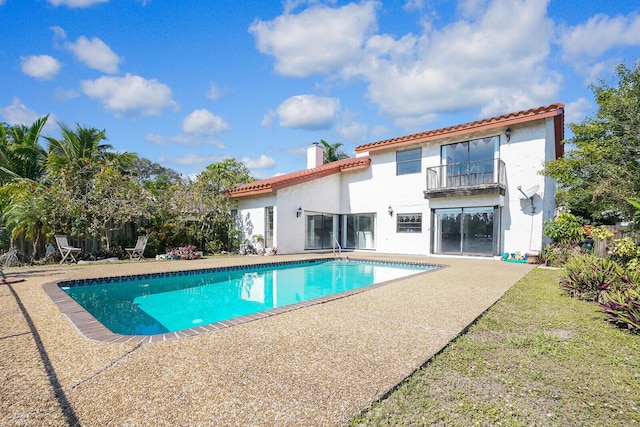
x=316, y=366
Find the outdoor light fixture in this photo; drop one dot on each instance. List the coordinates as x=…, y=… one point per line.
x=299, y=212
x=508, y=134
x=390, y=210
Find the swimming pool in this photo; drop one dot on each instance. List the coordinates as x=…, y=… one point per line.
x=170, y=302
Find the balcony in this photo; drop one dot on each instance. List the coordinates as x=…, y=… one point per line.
x=483, y=177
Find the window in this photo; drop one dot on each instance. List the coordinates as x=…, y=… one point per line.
x=470, y=162
x=409, y=223
x=268, y=227
x=408, y=161
x=235, y=219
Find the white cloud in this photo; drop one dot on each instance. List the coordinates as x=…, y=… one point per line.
x=494, y=58
x=291, y=5
x=351, y=130
x=18, y=114
x=42, y=67
x=59, y=34
x=413, y=5
x=471, y=8
x=204, y=122
x=317, y=40
x=196, y=140
x=213, y=92
x=262, y=162
x=130, y=96
x=155, y=139
x=267, y=120
x=199, y=128
x=379, y=130
x=578, y=110
x=95, y=53
x=308, y=112
x=488, y=61
x=197, y=161
x=76, y=3
x=62, y=94
x=599, y=34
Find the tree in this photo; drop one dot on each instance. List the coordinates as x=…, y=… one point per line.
x=206, y=202
x=89, y=190
x=152, y=174
x=83, y=148
x=22, y=166
x=21, y=155
x=221, y=176
x=331, y=152
x=24, y=214
x=114, y=200
x=601, y=170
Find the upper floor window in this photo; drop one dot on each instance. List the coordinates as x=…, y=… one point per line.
x=476, y=150
x=408, y=161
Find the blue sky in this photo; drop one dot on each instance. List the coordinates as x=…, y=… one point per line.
x=189, y=83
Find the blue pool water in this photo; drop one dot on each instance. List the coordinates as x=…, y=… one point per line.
x=155, y=304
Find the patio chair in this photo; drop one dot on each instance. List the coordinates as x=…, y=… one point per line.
x=66, y=250
x=137, y=253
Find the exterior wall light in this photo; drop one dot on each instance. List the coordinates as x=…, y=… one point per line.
x=390, y=210
x=508, y=134
x=299, y=212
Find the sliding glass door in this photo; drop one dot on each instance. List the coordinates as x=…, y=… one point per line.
x=466, y=231
x=359, y=231
x=320, y=231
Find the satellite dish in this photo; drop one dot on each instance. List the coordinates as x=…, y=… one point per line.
x=529, y=192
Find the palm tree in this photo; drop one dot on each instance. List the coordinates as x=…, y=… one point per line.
x=331, y=153
x=21, y=155
x=83, y=148
x=22, y=169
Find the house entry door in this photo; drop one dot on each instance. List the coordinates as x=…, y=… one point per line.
x=464, y=231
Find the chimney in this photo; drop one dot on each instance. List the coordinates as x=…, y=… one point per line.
x=314, y=156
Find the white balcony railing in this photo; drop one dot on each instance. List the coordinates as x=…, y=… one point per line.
x=480, y=173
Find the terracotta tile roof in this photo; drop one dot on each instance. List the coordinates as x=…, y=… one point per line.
x=282, y=181
x=553, y=110
x=270, y=185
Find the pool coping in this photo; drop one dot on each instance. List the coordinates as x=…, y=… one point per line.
x=92, y=329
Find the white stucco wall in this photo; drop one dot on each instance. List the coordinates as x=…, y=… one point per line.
x=251, y=215
x=524, y=157
x=374, y=189
x=318, y=196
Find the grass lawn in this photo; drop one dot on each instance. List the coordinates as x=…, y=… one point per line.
x=536, y=358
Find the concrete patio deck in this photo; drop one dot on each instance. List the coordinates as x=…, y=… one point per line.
x=316, y=366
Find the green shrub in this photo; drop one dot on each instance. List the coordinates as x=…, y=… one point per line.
x=626, y=253
x=588, y=277
x=625, y=247
x=557, y=254
x=623, y=307
x=602, y=233
x=633, y=265
x=563, y=229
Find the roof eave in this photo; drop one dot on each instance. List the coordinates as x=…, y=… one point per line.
x=325, y=170
x=489, y=124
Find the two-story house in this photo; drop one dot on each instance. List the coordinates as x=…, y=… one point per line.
x=473, y=190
